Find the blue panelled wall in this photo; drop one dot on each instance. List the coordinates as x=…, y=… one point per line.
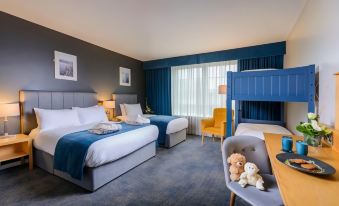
x=158, y=73
x=261, y=110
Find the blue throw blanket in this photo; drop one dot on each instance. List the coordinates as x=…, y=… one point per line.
x=161, y=121
x=71, y=150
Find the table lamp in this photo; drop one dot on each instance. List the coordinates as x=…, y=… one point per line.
x=109, y=105
x=222, y=89
x=8, y=110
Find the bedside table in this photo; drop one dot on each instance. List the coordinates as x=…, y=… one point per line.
x=115, y=120
x=16, y=146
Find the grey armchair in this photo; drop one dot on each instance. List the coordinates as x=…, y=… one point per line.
x=254, y=150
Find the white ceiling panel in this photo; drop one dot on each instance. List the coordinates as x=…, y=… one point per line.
x=154, y=29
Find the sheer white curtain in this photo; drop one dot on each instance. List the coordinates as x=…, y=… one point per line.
x=194, y=90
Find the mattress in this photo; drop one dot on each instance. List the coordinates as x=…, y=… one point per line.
x=258, y=130
x=100, y=152
x=173, y=126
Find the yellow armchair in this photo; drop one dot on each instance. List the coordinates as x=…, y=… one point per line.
x=216, y=126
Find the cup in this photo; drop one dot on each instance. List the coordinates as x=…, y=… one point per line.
x=287, y=144
x=302, y=148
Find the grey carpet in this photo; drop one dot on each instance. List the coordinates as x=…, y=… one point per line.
x=187, y=174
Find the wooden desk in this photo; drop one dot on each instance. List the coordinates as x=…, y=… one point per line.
x=15, y=147
x=297, y=188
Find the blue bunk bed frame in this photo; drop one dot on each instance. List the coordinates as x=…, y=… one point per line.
x=283, y=85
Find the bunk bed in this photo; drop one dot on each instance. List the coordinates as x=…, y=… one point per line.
x=283, y=85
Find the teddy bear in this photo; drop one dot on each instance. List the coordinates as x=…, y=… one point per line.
x=237, y=162
x=251, y=176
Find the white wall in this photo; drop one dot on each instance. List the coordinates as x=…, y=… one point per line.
x=315, y=40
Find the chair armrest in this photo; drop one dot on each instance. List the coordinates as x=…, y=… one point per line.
x=223, y=128
x=207, y=123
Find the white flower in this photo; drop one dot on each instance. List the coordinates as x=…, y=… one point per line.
x=312, y=116
x=315, y=125
x=305, y=124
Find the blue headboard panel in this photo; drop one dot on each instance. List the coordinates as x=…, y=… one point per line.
x=284, y=85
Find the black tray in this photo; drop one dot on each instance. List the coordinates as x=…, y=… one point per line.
x=323, y=168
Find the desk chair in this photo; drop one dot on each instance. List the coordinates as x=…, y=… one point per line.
x=254, y=150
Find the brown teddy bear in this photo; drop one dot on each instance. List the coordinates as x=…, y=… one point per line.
x=237, y=162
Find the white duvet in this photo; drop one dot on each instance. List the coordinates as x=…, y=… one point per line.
x=173, y=126
x=102, y=151
x=258, y=130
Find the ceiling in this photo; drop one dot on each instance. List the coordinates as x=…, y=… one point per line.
x=154, y=29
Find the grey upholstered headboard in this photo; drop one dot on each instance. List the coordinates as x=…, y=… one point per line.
x=50, y=100
x=123, y=99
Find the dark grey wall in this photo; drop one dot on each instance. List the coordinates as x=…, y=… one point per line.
x=26, y=62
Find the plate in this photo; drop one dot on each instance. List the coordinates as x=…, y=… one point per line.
x=322, y=168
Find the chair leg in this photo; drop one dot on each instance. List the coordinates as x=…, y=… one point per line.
x=232, y=199
x=202, y=138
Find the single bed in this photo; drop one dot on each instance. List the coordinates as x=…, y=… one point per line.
x=283, y=85
x=176, y=128
x=106, y=159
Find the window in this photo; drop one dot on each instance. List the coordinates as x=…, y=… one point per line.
x=195, y=89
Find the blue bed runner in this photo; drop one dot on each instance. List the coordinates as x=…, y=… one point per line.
x=71, y=150
x=161, y=121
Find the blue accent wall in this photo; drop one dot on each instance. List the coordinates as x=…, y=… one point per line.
x=265, y=50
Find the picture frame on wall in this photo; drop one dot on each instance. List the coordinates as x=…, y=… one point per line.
x=65, y=66
x=125, y=76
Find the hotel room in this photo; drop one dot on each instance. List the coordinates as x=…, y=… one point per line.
x=169, y=102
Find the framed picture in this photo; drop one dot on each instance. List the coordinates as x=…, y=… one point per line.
x=65, y=66
x=125, y=76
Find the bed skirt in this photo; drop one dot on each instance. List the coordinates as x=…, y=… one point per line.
x=96, y=177
x=175, y=138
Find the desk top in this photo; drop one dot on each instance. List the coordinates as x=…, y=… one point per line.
x=297, y=188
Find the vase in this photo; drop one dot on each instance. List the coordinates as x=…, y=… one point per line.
x=314, y=141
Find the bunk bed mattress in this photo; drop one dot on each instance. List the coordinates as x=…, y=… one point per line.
x=258, y=130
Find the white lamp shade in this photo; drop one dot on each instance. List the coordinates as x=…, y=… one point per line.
x=222, y=89
x=109, y=104
x=9, y=110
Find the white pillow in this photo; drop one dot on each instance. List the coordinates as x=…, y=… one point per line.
x=51, y=119
x=133, y=109
x=123, y=110
x=90, y=115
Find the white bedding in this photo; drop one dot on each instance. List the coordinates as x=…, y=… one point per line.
x=258, y=130
x=102, y=151
x=173, y=126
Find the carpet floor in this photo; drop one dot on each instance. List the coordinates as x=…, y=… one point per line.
x=187, y=174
